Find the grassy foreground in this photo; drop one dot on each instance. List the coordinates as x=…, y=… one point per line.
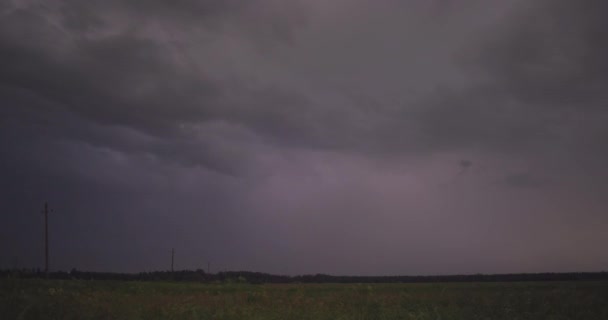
x=78, y=299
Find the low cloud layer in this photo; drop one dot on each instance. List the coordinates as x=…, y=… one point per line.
x=344, y=137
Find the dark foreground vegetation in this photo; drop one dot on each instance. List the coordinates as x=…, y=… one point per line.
x=94, y=299
x=258, y=277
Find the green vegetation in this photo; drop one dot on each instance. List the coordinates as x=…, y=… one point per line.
x=81, y=299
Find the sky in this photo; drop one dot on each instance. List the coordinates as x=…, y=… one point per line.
x=347, y=137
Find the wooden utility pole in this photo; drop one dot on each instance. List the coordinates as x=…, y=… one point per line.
x=172, y=258
x=46, y=238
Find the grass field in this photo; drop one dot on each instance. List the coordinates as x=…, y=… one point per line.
x=79, y=299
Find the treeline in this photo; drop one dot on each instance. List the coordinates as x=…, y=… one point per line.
x=259, y=278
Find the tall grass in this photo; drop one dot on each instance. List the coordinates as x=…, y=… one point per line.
x=74, y=299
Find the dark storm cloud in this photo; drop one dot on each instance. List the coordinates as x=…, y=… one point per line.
x=306, y=136
x=137, y=75
x=546, y=76
x=554, y=55
x=539, y=91
x=118, y=78
x=94, y=78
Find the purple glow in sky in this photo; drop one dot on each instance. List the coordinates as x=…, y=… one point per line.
x=343, y=137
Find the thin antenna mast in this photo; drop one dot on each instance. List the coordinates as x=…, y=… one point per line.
x=172, y=257
x=46, y=238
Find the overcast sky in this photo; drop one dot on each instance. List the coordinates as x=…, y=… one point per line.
x=352, y=137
